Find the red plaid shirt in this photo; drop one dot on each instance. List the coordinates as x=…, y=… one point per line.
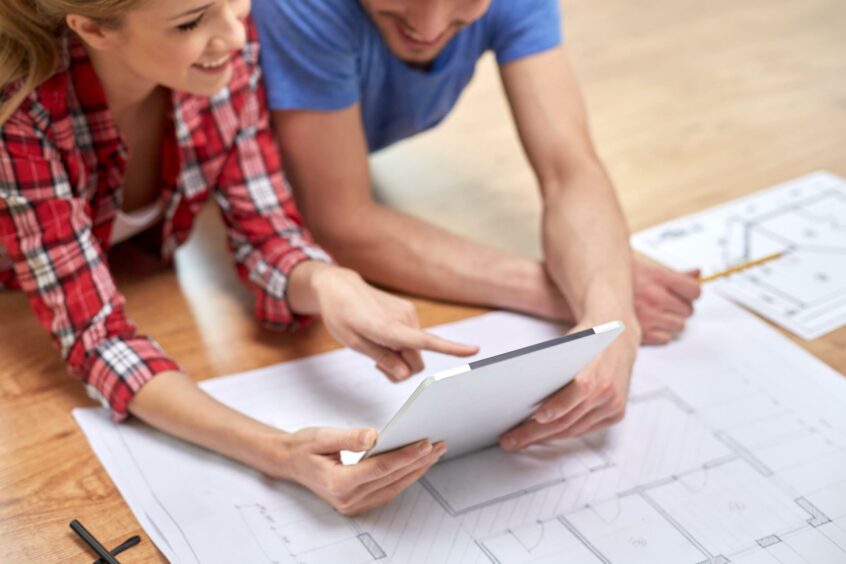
x=62, y=163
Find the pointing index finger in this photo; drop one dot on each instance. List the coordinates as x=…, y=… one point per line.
x=422, y=340
x=445, y=346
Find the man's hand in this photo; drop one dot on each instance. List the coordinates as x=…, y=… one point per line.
x=595, y=399
x=663, y=300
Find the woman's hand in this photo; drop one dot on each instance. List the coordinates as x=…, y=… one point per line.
x=173, y=403
x=371, y=321
x=311, y=458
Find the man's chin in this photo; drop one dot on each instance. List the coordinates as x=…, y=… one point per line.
x=415, y=57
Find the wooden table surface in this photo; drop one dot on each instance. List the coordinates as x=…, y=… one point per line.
x=691, y=104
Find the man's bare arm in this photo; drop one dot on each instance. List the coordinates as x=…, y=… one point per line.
x=581, y=210
x=585, y=241
x=585, y=237
x=327, y=162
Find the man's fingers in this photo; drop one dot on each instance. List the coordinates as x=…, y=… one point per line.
x=668, y=301
x=661, y=327
x=666, y=322
x=327, y=440
x=603, y=424
x=526, y=434
x=598, y=426
x=532, y=432
x=656, y=337
x=684, y=285
x=565, y=400
x=602, y=416
x=573, y=417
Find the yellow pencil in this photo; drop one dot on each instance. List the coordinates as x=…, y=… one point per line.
x=740, y=267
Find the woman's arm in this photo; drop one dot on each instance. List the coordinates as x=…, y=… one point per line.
x=173, y=403
x=371, y=321
x=366, y=319
x=64, y=272
x=47, y=231
x=290, y=276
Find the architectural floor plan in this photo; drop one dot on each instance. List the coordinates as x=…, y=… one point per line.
x=733, y=450
x=805, y=219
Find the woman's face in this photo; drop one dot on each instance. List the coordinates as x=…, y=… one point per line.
x=180, y=44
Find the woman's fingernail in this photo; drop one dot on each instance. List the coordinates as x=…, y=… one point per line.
x=367, y=437
x=424, y=448
x=543, y=416
x=442, y=448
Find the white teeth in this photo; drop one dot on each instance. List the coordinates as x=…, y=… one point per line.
x=213, y=64
x=412, y=34
x=417, y=37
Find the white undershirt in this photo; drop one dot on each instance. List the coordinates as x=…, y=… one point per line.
x=127, y=225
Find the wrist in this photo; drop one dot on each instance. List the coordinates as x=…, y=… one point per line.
x=614, y=312
x=534, y=292
x=272, y=449
x=633, y=332
x=303, y=286
x=327, y=274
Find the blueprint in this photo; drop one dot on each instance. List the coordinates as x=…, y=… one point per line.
x=733, y=450
x=805, y=290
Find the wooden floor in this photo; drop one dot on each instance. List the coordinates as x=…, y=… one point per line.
x=692, y=104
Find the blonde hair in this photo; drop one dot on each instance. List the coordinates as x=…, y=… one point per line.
x=28, y=39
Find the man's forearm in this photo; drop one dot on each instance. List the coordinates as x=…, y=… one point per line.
x=399, y=251
x=584, y=234
x=328, y=165
x=586, y=246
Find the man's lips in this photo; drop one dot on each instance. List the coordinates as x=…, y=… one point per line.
x=418, y=40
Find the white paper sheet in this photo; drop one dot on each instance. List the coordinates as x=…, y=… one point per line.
x=805, y=290
x=733, y=450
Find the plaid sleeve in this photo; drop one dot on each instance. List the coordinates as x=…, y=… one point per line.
x=264, y=229
x=46, y=232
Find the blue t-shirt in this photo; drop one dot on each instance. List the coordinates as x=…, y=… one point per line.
x=328, y=54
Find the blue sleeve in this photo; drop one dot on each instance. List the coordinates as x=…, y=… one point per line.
x=308, y=52
x=520, y=28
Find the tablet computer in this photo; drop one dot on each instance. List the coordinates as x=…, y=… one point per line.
x=471, y=405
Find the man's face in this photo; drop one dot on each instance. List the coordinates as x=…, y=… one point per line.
x=417, y=30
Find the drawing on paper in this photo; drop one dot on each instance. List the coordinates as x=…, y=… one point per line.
x=805, y=290
x=739, y=457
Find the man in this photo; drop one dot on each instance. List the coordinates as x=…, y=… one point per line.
x=348, y=77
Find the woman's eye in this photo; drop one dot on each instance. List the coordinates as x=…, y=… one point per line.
x=190, y=25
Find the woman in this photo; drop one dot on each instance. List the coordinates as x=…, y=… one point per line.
x=118, y=115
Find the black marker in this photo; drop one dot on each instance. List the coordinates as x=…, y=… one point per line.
x=127, y=544
x=89, y=539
